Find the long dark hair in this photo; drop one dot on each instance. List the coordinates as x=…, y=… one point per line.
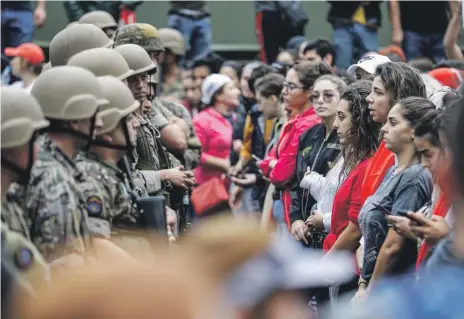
x=363, y=127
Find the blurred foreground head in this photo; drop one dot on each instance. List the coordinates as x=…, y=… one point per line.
x=182, y=283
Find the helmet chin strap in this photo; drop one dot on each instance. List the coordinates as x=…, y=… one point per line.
x=23, y=174
x=128, y=147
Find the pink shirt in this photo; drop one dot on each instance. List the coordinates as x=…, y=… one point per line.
x=215, y=134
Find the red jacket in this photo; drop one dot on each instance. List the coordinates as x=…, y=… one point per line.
x=286, y=152
x=347, y=203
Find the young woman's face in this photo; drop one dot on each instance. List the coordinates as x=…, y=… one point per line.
x=293, y=93
x=230, y=72
x=379, y=101
x=431, y=156
x=270, y=106
x=230, y=95
x=343, y=123
x=325, y=99
x=246, y=92
x=398, y=133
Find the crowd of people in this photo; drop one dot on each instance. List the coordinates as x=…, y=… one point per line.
x=297, y=189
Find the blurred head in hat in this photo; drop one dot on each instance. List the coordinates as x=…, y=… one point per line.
x=220, y=91
x=26, y=62
x=365, y=68
x=274, y=283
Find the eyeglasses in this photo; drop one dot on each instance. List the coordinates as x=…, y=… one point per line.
x=326, y=97
x=291, y=86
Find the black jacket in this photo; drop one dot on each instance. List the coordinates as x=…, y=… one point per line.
x=317, y=153
x=341, y=12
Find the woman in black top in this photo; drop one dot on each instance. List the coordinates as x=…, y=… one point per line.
x=318, y=149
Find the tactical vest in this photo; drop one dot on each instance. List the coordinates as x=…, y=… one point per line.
x=151, y=153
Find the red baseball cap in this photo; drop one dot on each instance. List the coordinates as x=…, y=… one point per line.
x=28, y=51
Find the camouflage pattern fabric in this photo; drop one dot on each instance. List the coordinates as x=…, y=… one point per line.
x=107, y=193
x=139, y=33
x=14, y=217
x=55, y=205
x=175, y=89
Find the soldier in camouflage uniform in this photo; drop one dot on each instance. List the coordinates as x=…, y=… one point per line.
x=75, y=39
x=150, y=153
x=21, y=118
x=147, y=36
x=173, y=43
x=101, y=62
x=69, y=97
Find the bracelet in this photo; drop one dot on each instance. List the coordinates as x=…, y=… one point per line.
x=362, y=282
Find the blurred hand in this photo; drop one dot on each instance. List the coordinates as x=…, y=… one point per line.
x=250, y=179
x=432, y=230
x=235, y=197
x=40, y=15
x=402, y=225
x=171, y=221
x=315, y=221
x=237, y=146
x=299, y=231
x=234, y=170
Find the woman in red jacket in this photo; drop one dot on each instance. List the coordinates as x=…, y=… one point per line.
x=279, y=166
x=359, y=136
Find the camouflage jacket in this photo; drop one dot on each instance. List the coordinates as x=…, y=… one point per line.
x=14, y=217
x=175, y=89
x=108, y=194
x=56, y=206
x=170, y=109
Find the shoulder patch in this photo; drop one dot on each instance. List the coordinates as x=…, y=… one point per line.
x=24, y=258
x=94, y=205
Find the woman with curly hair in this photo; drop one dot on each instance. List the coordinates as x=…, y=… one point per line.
x=359, y=136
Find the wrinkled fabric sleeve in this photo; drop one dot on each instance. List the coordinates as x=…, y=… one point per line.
x=201, y=128
x=356, y=201
x=317, y=185
x=150, y=179
x=56, y=219
x=296, y=194
x=247, y=133
x=284, y=170
x=264, y=164
x=412, y=194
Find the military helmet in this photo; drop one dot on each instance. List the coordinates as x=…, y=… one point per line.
x=75, y=39
x=21, y=116
x=143, y=34
x=99, y=18
x=137, y=58
x=46, y=67
x=121, y=103
x=68, y=93
x=172, y=40
x=101, y=62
